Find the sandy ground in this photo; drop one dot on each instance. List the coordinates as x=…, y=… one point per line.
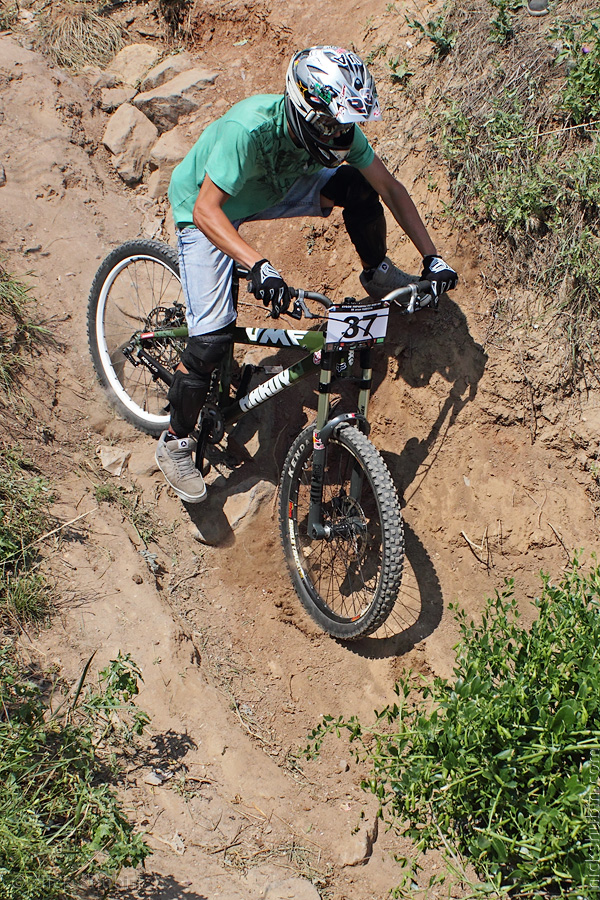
x=493, y=472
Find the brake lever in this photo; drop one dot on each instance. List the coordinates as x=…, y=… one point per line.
x=300, y=308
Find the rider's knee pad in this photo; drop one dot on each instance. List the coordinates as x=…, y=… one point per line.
x=362, y=212
x=186, y=397
x=202, y=354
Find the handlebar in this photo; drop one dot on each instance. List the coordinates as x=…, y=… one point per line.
x=410, y=299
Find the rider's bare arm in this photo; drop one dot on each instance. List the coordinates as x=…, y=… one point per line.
x=397, y=199
x=212, y=221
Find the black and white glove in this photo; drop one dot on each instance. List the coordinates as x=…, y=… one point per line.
x=439, y=273
x=267, y=284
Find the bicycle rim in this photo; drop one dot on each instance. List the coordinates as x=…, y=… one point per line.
x=137, y=294
x=348, y=584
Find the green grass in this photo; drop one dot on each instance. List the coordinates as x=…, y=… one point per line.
x=62, y=832
x=25, y=497
x=499, y=766
x=18, y=331
x=514, y=111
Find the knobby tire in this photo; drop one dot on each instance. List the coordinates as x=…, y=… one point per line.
x=349, y=584
x=136, y=289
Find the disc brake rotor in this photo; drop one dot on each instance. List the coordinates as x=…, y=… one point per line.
x=166, y=350
x=349, y=523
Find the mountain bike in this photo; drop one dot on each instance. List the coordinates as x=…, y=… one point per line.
x=339, y=513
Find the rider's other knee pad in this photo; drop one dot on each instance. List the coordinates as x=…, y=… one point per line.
x=202, y=354
x=362, y=212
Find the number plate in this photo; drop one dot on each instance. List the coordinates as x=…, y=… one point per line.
x=357, y=324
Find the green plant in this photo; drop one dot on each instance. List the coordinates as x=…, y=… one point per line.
x=581, y=53
x=501, y=26
x=24, y=502
x=529, y=189
x=62, y=831
x=373, y=54
x=499, y=764
x=400, y=70
x=438, y=32
x=17, y=330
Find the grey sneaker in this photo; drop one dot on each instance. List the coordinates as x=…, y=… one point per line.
x=537, y=7
x=385, y=278
x=174, y=459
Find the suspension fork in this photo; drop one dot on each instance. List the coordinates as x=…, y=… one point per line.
x=324, y=428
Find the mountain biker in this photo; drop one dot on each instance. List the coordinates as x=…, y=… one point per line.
x=276, y=156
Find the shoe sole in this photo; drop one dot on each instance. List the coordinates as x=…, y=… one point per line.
x=187, y=498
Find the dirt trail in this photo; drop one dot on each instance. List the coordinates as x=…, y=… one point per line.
x=235, y=675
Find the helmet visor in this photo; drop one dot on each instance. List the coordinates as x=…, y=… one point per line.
x=327, y=126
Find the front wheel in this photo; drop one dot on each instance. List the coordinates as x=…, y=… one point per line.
x=136, y=289
x=349, y=582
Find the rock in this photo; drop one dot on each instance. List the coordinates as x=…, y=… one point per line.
x=142, y=461
x=291, y=889
x=96, y=78
x=2, y=176
x=165, y=105
x=131, y=63
x=130, y=136
x=167, y=153
x=244, y=504
x=166, y=70
x=360, y=846
x=112, y=98
x=214, y=520
x=157, y=185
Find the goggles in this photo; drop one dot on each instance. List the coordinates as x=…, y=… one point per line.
x=327, y=125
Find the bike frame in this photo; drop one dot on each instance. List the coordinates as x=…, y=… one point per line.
x=329, y=363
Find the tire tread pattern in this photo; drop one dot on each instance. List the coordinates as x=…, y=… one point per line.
x=391, y=526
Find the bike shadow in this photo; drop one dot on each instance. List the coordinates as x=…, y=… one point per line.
x=418, y=349
x=418, y=610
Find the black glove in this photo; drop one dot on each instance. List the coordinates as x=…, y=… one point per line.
x=267, y=284
x=439, y=273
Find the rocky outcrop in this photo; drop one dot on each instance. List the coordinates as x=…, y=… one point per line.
x=132, y=63
x=168, y=151
x=143, y=134
x=130, y=137
x=182, y=95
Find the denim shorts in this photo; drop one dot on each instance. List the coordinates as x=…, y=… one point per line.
x=206, y=272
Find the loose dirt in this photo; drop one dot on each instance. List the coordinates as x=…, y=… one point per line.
x=494, y=469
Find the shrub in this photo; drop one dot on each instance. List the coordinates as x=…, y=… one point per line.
x=75, y=35
x=581, y=53
x=61, y=827
x=501, y=765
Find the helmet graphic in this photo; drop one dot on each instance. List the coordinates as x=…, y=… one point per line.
x=327, y=90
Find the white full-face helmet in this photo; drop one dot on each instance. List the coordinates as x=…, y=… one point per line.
x=328, y=90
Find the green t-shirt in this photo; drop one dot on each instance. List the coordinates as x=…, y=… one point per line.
x=250, y=155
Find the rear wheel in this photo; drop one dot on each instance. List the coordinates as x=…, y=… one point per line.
x=136, y=289
x=348, y=583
